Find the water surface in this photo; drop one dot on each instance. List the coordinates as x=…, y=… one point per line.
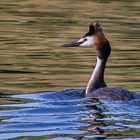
x=67, y=115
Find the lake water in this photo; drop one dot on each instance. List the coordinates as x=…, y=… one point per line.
x=40, y=82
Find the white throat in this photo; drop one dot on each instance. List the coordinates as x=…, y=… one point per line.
x=97, y=78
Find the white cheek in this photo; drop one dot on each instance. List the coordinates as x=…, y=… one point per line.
x=89, y=42
x=81, y=40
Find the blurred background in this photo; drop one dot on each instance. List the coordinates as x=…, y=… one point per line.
x=31, y=32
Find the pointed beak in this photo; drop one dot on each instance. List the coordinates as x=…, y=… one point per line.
x=72, y=44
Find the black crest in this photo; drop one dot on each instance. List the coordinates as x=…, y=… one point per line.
x=93, y=29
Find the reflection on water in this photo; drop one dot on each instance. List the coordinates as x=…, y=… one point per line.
x=66, y=114
x=31, y=32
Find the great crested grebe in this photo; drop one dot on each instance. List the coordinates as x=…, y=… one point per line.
x=96, y=86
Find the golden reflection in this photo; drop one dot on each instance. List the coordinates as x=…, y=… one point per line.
x=32, y=31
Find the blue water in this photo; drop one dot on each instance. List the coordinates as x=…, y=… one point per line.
x=67, y=115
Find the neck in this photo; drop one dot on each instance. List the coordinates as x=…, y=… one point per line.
x=97, y=79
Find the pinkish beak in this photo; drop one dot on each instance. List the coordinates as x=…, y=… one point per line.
x=72, y=44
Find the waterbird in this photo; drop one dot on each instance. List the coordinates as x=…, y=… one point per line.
x=97, y=87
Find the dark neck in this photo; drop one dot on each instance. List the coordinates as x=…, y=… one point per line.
x=97, y=79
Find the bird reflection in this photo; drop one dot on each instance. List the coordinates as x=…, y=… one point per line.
x=95, y=120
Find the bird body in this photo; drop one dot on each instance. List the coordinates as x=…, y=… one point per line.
x=96, y=86
x=112, y=93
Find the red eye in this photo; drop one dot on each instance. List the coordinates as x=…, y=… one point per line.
x=85, y=39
